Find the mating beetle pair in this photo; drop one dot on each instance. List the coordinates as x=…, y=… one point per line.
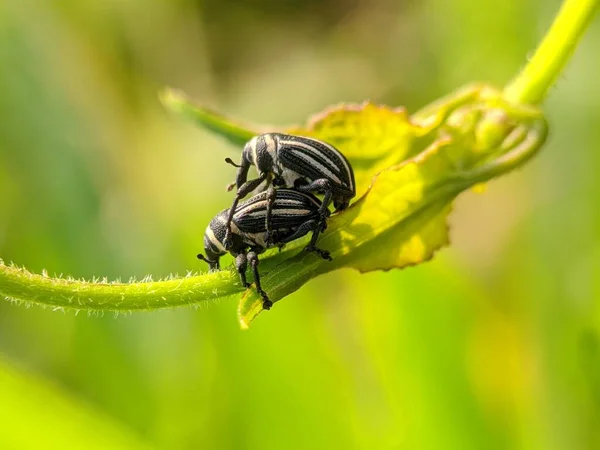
x=291, y=168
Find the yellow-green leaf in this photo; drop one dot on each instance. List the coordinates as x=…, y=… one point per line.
x=371, y=136
x=401, y=220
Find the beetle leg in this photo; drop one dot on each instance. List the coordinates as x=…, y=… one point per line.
x=241, y=264
x=311, y=247
x=302, y=230
x=253, y=260
x=323, y=210
x=316, y=227
x=323, y=185
x=268, y=225
x=244, y=190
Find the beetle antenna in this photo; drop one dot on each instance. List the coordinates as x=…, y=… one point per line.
x=230, y=161
x=201, y=257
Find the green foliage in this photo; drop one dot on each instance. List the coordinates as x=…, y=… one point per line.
x=494, y=345
x=408, y=173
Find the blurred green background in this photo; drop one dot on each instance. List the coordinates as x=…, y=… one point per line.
x=493, y=345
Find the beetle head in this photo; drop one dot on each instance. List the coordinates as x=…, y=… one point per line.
x=213, y=241
x=261, y=151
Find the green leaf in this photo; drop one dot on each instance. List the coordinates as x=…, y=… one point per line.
x=177, y=102
x=401, y=220
x=371, y=136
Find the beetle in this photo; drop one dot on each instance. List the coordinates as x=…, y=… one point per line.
x=293, y=215
x=288, y=161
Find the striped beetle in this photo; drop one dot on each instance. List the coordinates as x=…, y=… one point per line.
x=302, y=163
x=293, y=215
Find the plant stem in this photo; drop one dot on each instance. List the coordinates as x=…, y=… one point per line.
x=532, y=83
x=20, y=285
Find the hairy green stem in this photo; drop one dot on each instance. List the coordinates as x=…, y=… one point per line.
x=532, y=83
x=20, y=285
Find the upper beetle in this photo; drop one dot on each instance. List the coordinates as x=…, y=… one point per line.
x=302, y=163
x=294, y=214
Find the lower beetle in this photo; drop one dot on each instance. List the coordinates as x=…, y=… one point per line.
x=293, y=215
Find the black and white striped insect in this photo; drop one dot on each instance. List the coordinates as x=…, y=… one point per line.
x=301, y=163
x=293, y=215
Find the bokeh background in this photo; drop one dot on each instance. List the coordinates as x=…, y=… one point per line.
x=492, y=345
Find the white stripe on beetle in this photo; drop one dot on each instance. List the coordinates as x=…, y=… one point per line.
x=281, y=211
x=213, y=239
x=320, y=167
x=322, y=154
